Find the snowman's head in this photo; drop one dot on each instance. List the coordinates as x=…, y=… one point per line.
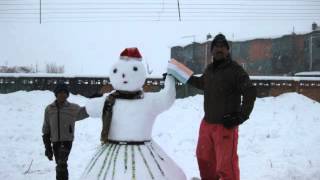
x=128, y=74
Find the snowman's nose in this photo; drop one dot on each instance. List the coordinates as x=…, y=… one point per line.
x=123, y=75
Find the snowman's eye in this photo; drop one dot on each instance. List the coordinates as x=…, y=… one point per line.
x=135, y=68
x=115, y=70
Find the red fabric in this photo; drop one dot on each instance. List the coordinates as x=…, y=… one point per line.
x=217, y=152
x=131, y=53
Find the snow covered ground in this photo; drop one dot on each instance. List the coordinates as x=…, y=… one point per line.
x=280, y=141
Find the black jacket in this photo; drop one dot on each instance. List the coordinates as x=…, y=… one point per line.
x=223, y=84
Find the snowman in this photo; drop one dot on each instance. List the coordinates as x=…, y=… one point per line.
x=128, y=151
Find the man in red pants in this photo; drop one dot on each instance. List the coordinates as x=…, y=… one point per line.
x=229, y=98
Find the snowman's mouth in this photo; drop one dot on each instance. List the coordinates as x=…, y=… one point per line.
x=125, y=82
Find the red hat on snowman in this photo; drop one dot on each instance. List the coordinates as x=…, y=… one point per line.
x=131, y=54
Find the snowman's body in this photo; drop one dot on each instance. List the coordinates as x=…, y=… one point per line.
x=136, y=117
x=132, y=121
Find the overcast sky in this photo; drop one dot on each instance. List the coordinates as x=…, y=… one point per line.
x=89, y=41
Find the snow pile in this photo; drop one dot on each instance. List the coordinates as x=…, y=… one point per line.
x=281, y=140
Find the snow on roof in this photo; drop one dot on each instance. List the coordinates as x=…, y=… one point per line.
x=283, y=78
x=280, y=78
x=47, y=75
x=16, y=75
x=309, y=73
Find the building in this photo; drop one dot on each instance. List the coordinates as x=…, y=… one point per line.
x=284, y=55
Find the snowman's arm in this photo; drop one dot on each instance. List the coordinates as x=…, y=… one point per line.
x=165, y=98
x=94, y=107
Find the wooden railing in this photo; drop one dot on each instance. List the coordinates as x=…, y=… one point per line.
x=88, y=85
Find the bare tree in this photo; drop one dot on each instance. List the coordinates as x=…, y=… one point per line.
x=16, y=69
x=54, y=68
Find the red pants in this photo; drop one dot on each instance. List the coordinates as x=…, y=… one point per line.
x=217, y=152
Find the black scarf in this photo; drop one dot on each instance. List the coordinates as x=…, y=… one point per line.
x=108, y=106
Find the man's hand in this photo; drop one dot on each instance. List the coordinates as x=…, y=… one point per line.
x=232, y=120
x=49, y=153
x=47, y=144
